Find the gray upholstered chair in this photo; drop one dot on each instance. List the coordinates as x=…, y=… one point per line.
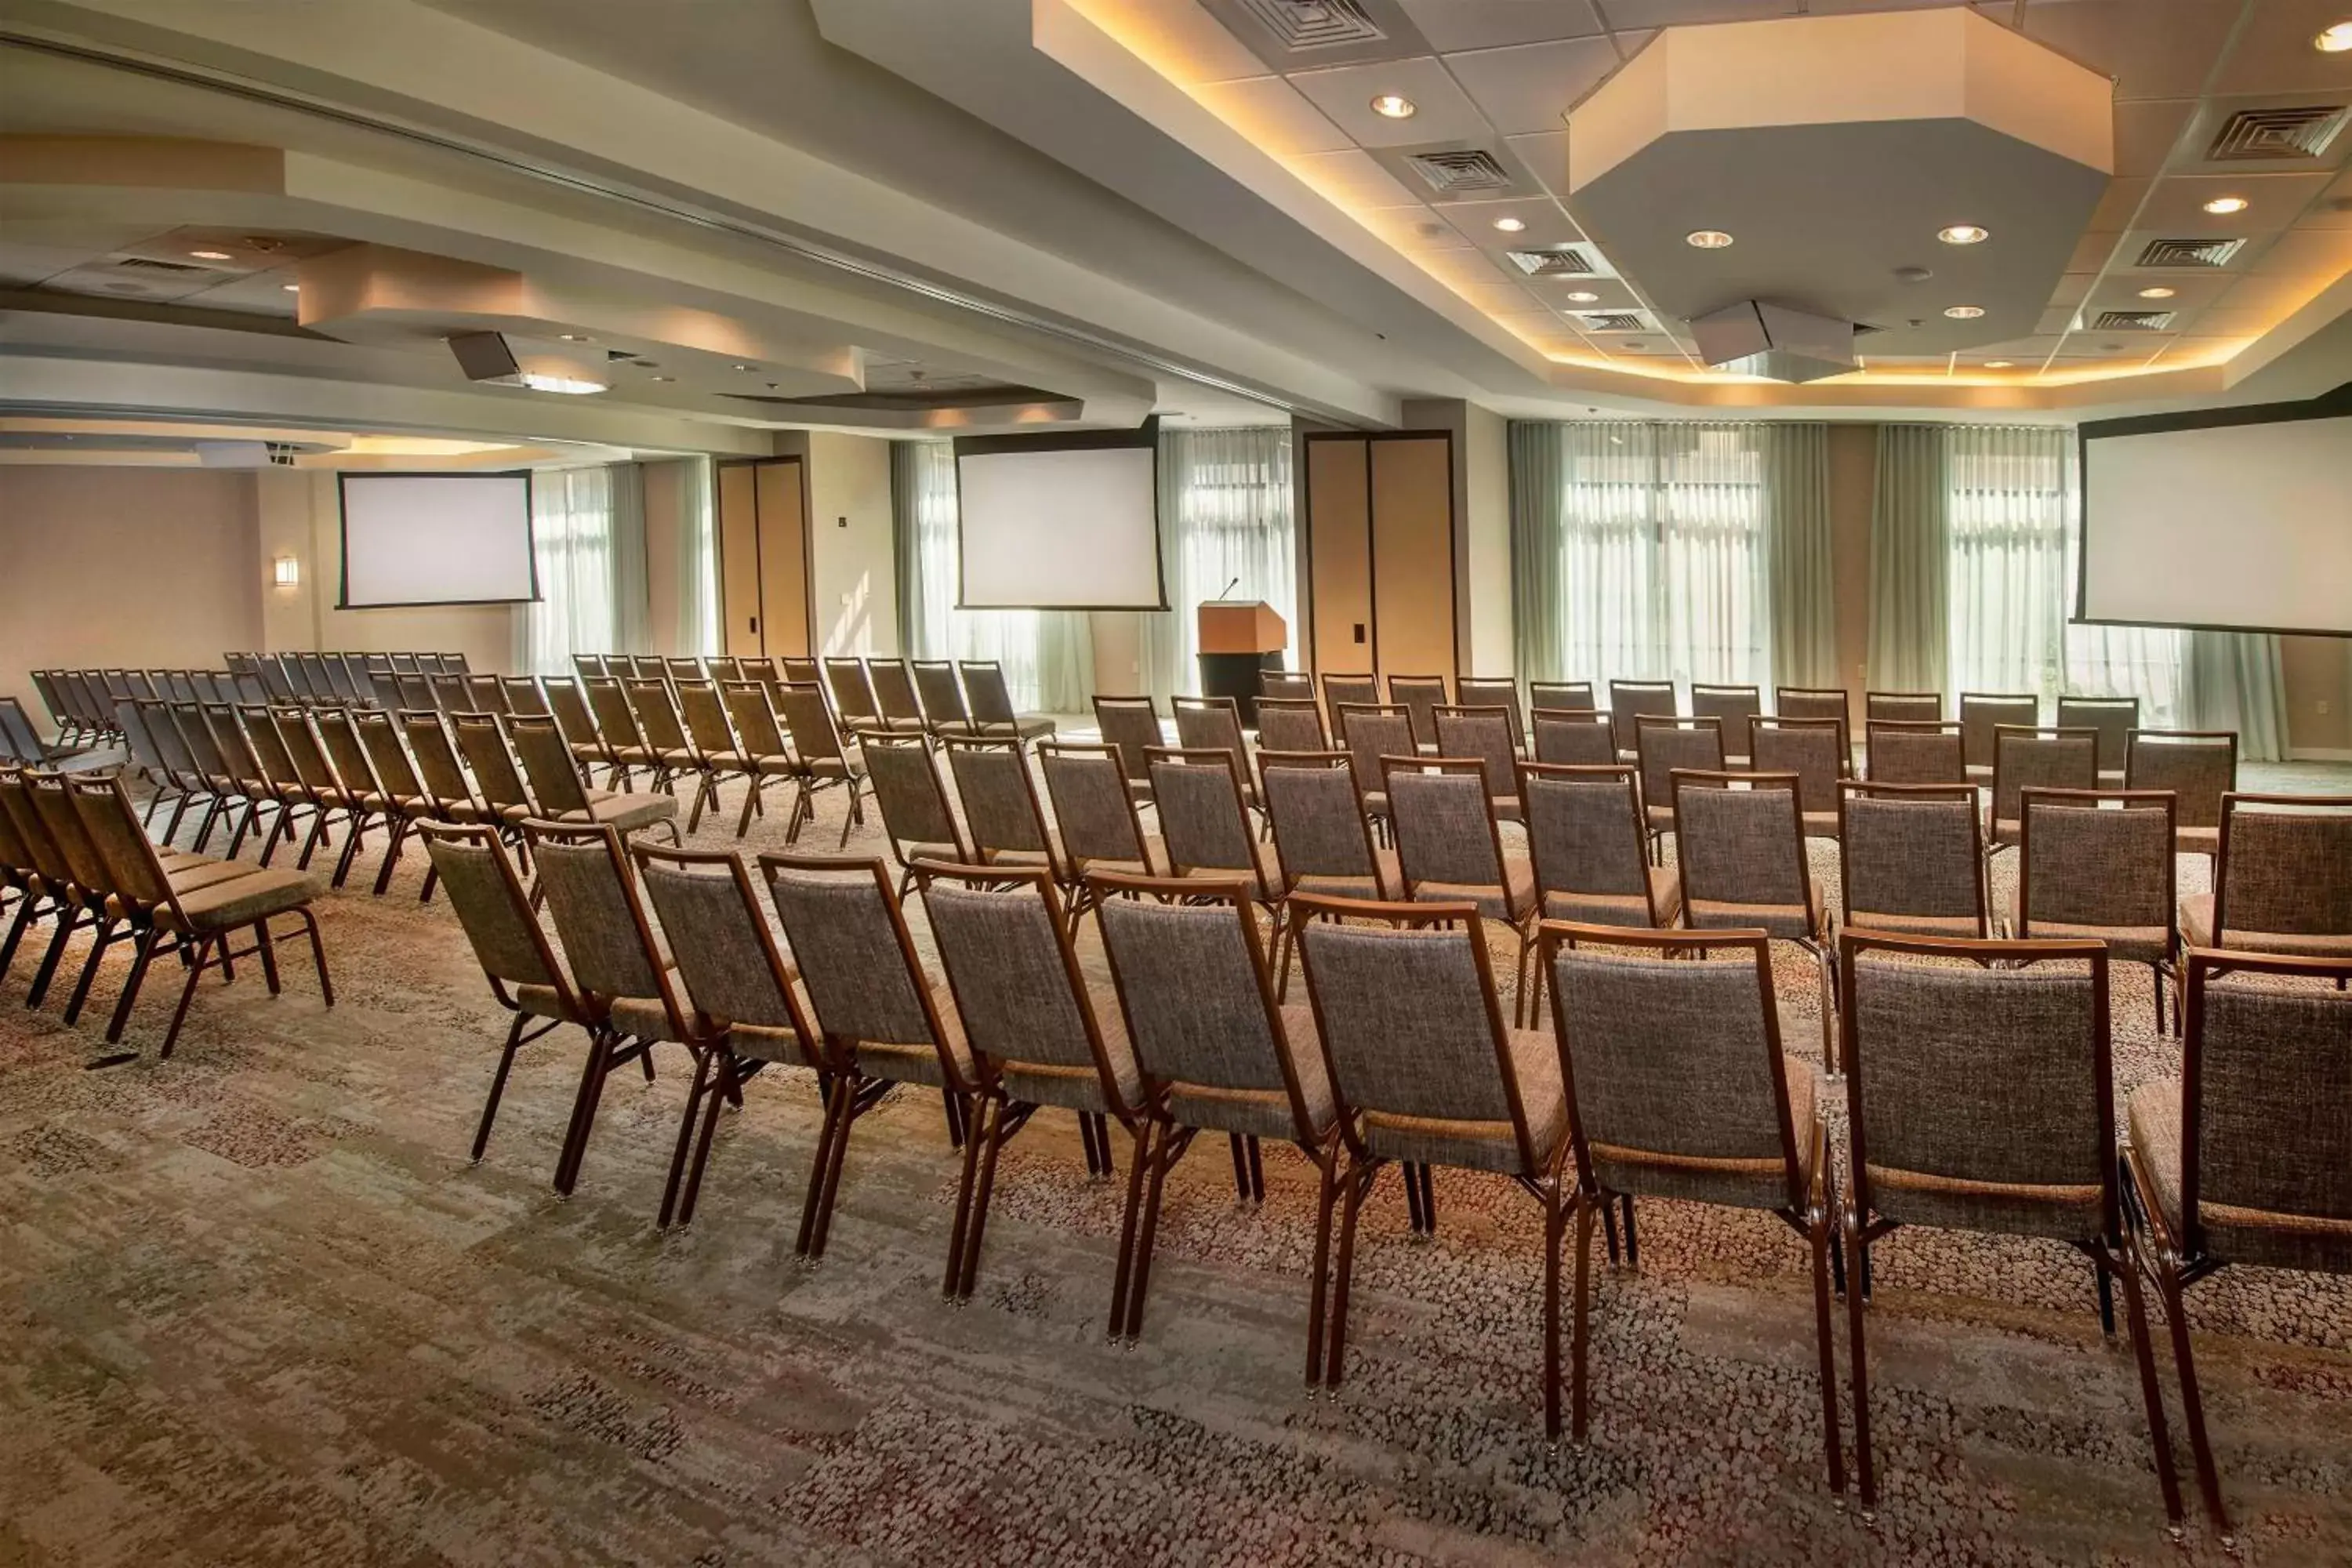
x=626, y=750
x=1572, y=696
x=555, y=780
x=1734, y=706
x=992, y=712
x=379, y=736
x=894, y=694
x=1663, y=747
x=918, y=822
x=1980, y=1097
x=653, y=699
x=1368, y=732
x=942, y=696
x=1677, y=1087
x=820, y=761
x=2284, y=881
x=1425, y=1072
x=312, y=735
x=2098, y=865
x=1205, y=825
x=1982, y=715
x=1131, y=724
x=1902, y=707
x=767, y=754
x=852, y=694
x=1487, y=735
x=1350, y=690
x=1574, y=736
x=1290, y=724
x=719, y=752
x=1215, y=724
x=1739, y=844
x=2025, y=758
x=1451, y=850
x=1899, y=752
x=2247, y=1156
x=1096, y=817
x=498, y=786
x=2113, y=719
x=1494, y=691
x=1811, y=702
x=1002, y=814
x=1629, y=702
x=1321, y=837
x=1816, y=751
x=1287, y=685
x=1420, y=696
x=1911, y=859
x=2198, y=766
x=1588, y=844
x=1217, y=1052
x=1039, y=1034
x=566, y=701
x=745, y=1015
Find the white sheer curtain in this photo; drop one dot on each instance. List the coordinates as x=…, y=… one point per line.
x=1648, y=556
x=698, y=561
x=1224, y=518
x=572, y=537
x=2014, y=496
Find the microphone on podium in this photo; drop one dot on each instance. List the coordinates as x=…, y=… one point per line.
x=1229, y=587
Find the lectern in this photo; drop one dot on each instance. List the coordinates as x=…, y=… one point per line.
x=1238, y=639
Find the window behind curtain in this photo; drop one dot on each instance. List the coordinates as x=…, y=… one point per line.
x=2015, y=494
x=572, y=537
x=938, y=629
x=1225, y=508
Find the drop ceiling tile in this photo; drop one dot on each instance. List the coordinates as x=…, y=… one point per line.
x=1609, y=294
x=2146, y=132
x=2091, y=252
x=2073, y=288
x=2275, y=52
x=1353, y=179
x=1495, y=299
x=1546, y=156
x=1492, y=24
x=2177, y=206
x=1443, y=111
x=1412, y=230
x=2154, y=48
x=1526, y=89
x=1546, y=225
x=2230, y=322
x=2122, y=199
x=1274, y=116
x=23, y=263
x=1680, y=13
x=1189, y=43
x=2057, y=319
x=2321, y=254
x=2120, y=291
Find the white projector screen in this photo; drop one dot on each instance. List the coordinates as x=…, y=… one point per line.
x=2237, y=526
x=1054, y=526
x=437, y=539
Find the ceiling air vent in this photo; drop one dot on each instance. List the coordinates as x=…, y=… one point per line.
x=2278, y=133
x=169, y=269
x=1561, y=262
x=2188, y=252
x=1460, y=173
x=1611, y=321
x=1314, y=23
x=2131, y=320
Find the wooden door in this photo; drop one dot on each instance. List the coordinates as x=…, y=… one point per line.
x=1339, y=555
x=739, y=560
x=763, y=566
x=1413, y=554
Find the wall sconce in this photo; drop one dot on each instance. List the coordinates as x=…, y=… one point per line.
x=286, y=572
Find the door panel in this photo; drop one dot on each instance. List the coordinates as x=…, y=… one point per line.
x=783, y=560
x=739, y=560
x=1412, y=554
x=1339, y=556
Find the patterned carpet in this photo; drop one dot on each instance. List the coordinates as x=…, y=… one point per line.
x=258, y=1309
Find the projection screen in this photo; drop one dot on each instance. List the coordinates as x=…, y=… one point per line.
x=437, y=539
x=2232, y=520
x=1060, y=522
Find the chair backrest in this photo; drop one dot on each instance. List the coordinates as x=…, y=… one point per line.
x=275, y=679
x=1569, y=696
x=436, y=760
x=1202, y=819
x=808, y=720
x=2263, y=1139
x=1912, y=851
x=2113, y=719
x=522, y=694
x=1484, y=733
x=985, y=688
x=1410, y=1028
x=163, y=729
x=905, y=771
x=106, y=828
x=1350, y=689
x=1631, y=701
x=724, y=666
x=547, y=764
x=1586, y=834
x=2286, y=866
x=1371, y=732
x=496, y=913
x=44, y=794
x=1664, y=745
x=941, y=691
x=1000, y=800
x=1444, y=817
x=1493, y=691
x=1815, y=750
x=1903, y=707
x=1290, y=724
x=750, y=705
x=1421, y=696
x=129, y=718
x=1319, y=828
x=682, y=667
x=592, y=896
x=1286, y=683
x=346, y=750
x=1811, y=702
x=312, y=767
x=2198, y=766
x=1575, y=737
x=17, y=737
x=1983, y=714
x=379, y=733
x=482, y=740
x=1131, y=725
x=188, y=719
x=1904, y=753
x=32, y=845
x=656, y=706
x=569, y=706
x=237, y=759
x=894, y=688
x=485, y=693
x=1093, y=806
x=449, y=693
x=1979, y=1092
x=1735, y=705
x=1675, y=1081
x=2095, y=858
x=727, y=957
x=856, y=959
x=616, y=719
x=1014, y=977
x=706, y=718
x=1210, y=723
x=2029, y=758
x=1740, y=845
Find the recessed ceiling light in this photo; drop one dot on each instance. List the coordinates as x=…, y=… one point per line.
x=293, y=288
x=1997, y=364
x=2222, y=206
x=1510, y=225
x=209, y=255
x=747, y=367
x=1584, y=297
x=2334, y=40
x=1964, y=312
x=2156, y=293
x=575, y=337
x=1706, y=238
x=665, y=378
x=1394, y=106
x=1963, y=233
x=539, y=383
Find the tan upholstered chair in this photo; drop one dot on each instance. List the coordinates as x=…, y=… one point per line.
x=1911, y=860
x=1131, y=725
x=1632, y=701
x=1205, y=824
x=379, y=736
x=573, y=717
x=1677, y=1087
x=1982, y=714
x=992, y=702
x=1902, y=753
x=2247, y=1156
x=1980, y=1097
x=1903, y=707
x=767, y=754
x=498, y=782
x=719, y=753
x=894, y=693
x=626, y=750
x=653, y=699
x=1451, y=850
x=1290, y=724
x=2113, y=719
x=1423, y=1072
x=1001, y=810
x=1740, y=845
x=1733, y=707
x=1574, y=736
x=1494, y=691
x=918, y=822
x=1811, y=702
x=2198, y=766
x=2098, y=865
x=819, y=759
x=1663, y=748
x=547, y=761
x=1370, y=733
x=1816, y=751
x=2283, y=880
x=1573, y=696
x=1487, y=735
x=942, y=696
x=852, y=694
x=1095, y=814
x=2027, y=758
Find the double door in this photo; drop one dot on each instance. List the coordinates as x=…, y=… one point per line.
x=763, y=558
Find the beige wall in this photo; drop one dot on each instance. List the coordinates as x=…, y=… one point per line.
x=855, y=582
x=107, y=566
x=1853, y=478
x=2319, y=672
x=666, y=509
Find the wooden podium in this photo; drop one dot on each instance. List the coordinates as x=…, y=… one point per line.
x=1238, y=639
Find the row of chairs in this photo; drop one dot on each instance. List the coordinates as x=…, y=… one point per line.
x=929, y=696
x=1979, y=1072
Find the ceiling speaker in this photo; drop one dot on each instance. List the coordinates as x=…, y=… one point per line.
x=484, y=357
x=1774, y=340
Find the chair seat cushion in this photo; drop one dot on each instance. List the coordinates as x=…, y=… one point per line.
x=1914, y=925
x=643, y=1018
x=1513, y=902
x=1783, y=922
x=1620, y=908
x=1081, y=1089
x=625, y=811
x=2133, y=944
x=2197, y=930
x=1265, y=1113
x=2153, y=1118
x=1753, y=1182
x=902, y=1061
x=544, y=1002
x=1153, y=864
x=1821, y=824
x=1387, y=881
x=242, y=901
x=1486, y=1145
x=1269, y=872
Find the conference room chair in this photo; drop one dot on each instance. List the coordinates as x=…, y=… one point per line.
x=625, y=748
x=1204, y=822
x=1096, y=816
x=1734, y=706
x=618, y=970
x=1662, y=746
x=1589, y=844
x=1039, y=1034
x=1574, y=736
x=641, y=667
x=1983, y=715
x=894, y=694
x=801, y=671
x=819, y=759
x=180, y=725
x=1352, y=689
x=380, y=735
x=1911, y=859
x=1002, y=814
x=20, y=742
x=333, y=803
x=412, y=690
x=1287, y=684
x=1811, y=702
x=1574, y=695
x=765, y=751
x=717, y=754
x=1425, y=1072
x=1216, y=1051
x=1903, y=707
x=1631, y=702
x=1370, y=733
x=62, y=721
x=1131, y=725
x=1290, y=724
x=1450, y=849
x=1816, y=750
x=2198, y=766
x=681, y=667
x=241, y=777
x=1421, y=696
x=2098, y=866
x=405, y=663
x=1677, y=1087
x=723, y=667
x=1214, y=723
x=2113, y=719
x=141, y=683
x=918, y=823
x=992, y=702
x=2030, y=757
x=1322, y=840
x=2238, y=1159
x=367, y=804
x=67, y=862
x=1495, y=691
x=485, y=693
x=588, y=666
x=499, y=784
x=291, y=673
x=93, y=707
x=145, y=721
x=563, y=797
x=743, y=1012
x=2282, y=882
x=43, y=881
x=455, y=663
x=852, y=694
x=521, y=694
x=442, y=773
x=450, y=693
x=653, y=700
x=1739, y=844
x=1979, y=1097
x=1905, y=752
x=942, y=696
x=569, y=705
x=1484, y=733
x=21, y=890
x=267, y=730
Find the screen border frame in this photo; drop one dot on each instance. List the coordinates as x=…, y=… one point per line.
x=343, y=540
x=1146, y=436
